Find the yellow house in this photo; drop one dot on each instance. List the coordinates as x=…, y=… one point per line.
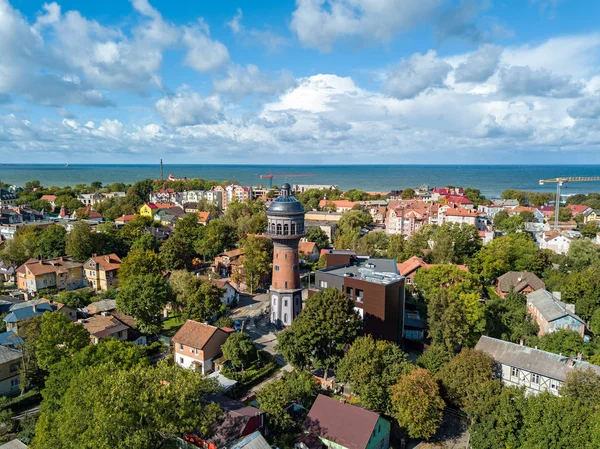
x=101, y=271
x=149, y=209
x=62, y=273
x=592, y=216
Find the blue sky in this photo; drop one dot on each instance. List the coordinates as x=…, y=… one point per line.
x=310, y=81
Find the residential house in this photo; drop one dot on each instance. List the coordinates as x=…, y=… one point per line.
x=195, y=196
x=308, y=251
x=322, y=216
x=253, y=441
x=90, y=199
x=233, y=192
x=204, y=217
x=7, y=272
x=102, y=306
x=68, y=311
x=10, y=364
x=104, y=325
x=548, y=211
x=409, y=268
x=486, y=236
x=124, y=219
x=299, y=188
x=230, y=262
x=460, y=201
x=51, y=199
x=101, y=271
x=328, y=227
x=16, y=317
x=555, y=242
x=160, y=233
x=337, y=205
x=522, y=282
x=11, y=340
x=536, y=370
x=169, y=216
x=579, y=209
x=197, y=345
x=62, y=273
x=7, y=198
x=551, y=314
x=239, y=420
x=461, y=215
x=165, y=196
x=114, y=195
x=537, y=214
x=591, y=216
x=490, y=210
x=343, y=426
x=230, y=293
x=133, y=335
x=14, y=444
x=408, y=216
x=150, y=209
x=375, y=287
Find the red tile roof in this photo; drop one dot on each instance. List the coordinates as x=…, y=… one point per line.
x=458, y=199
x=306, y=247
x=126, y=218
x=195, y=334
x=49, y=198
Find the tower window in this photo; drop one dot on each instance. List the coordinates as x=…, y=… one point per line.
x=276, y=267
x=285, y=303
x=285, y=255
x=273, y=228
x=278, y=229
x=286, y=229
x=293, y=228
x=286, y=284
x=285, y=320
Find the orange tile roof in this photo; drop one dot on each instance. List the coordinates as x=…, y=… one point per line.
x=337, y=203
x=195, y=334
x=160, y=205
x=306, y=247
x=108, y=261
x=49, y=198
x=100, y=326
x=461, y=212
x=126, y=218
x=203, y=216
x=410, y=265
x=56, y=265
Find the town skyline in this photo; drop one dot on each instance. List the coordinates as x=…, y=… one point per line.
x=324, y=82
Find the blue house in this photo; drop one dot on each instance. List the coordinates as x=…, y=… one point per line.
x=18, y=315
x=10, y=339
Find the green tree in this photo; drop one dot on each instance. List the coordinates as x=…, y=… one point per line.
x=31, y=374
x=318, y=236
x=465, y=377
x=508, y=319
x=135, y=228
x=146, y=242
x=59, y=338
x=259, y=254
x=296, y=387
x=239, y=349
x=408, y=194
x=434, y=358
x=219, y=236
x=416, y=403
x=564, y=214
x=139, y=262
x=589, y=230
x=583, y=385
x=371, y=367
x=319, y=334
x=203, y=301
x=448, y=324
x=144, y=297
x=583, y=254
x=396, y=247
x=110, y=240
x=52, y=241
x=81, y=242
x=175, y=254
x=595, y=322
x=565, y=342
x=153, y=405
x=189, y=230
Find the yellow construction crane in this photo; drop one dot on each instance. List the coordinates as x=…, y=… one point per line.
x=559, y=182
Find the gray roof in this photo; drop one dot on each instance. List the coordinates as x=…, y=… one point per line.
x=550, y=307
x=9, y=354
x=518, y=280
x=253, y=441
x=14, y=444
x=533, y=360
x=104, y=305
x=379, y=271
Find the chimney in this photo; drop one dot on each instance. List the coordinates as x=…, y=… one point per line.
x=522, y=341
x=35, y=308
x=571, y=363
x=580, y=356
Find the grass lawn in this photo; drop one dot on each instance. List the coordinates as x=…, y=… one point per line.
x=172, y=324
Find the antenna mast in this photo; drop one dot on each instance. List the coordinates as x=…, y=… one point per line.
x=161, y=171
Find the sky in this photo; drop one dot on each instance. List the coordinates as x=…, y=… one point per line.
x=304, y=82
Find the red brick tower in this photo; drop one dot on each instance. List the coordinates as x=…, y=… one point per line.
x=285, y=228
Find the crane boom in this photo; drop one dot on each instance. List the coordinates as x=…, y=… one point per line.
x=270, y=176
x=559, y=182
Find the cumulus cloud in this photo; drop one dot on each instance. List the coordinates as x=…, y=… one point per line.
x=203, y=53
x=513, y=125
x=416, y=74
x=586, y=108
x=243, y=81
x=523, y=80
x=189, y=108
x=479, y=65
x=272, y=41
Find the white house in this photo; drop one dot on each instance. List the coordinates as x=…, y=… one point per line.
x=231, y=294
x=555, y=242
x=194, y=196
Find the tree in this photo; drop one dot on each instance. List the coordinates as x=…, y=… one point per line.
x=583, y=254
x=318, y=236
x=137, y=408
x=508, y=319
x=51, y=241
x=583, y=385
x=565, y=342
x=239, y=349
x=175, y=254
x=595, y=322
x=81, y=242
x=219, y=236
x=144, y=297
x=135, y=228
x=396, y=247
x=110, y=240
x=327, y=323
x=59, y=338
x=564, y=214
x=31, y=374
x=448, y=324
x=202, y=301
x=408, y=194
x=416, y=403
x=189, y=230
x=296, y=387
x=259, y=254
x=139, y=262
x=146, y=242
x=434, y=358
x=589, y=230
x=465, y=376
x=371, y=367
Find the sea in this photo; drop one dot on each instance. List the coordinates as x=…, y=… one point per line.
x=490, y=179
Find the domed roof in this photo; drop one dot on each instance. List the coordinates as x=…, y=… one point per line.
x=285, y=203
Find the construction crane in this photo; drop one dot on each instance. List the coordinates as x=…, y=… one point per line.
x=270, y=176
x=559, y=182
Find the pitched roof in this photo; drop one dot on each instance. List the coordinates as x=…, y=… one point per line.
x=253, y=441
x=49, y=198
x=203, y=216
x=306, y=247
x=235, y=418
x=233, y=252
x=457, y=199
x=14, y=444
x=108, y=262
x=518, y=280
x=104, y=305
x=9, y=354
x=462, y=212
x=337, y=203
x=56, y=265
x=549, y=306
x=9, y=338
x=410, y=265
x=344, y=424
x=577, y=209
x=24, y=313
x=126, y=218
x=195, y=334
x=537, y=361
x=100, y=326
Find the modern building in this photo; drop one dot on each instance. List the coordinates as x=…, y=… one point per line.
x=233, y=192
x=299, y=188
x=165, y=196
x=522, y=282
x=536, y=370
x=197, y=345
x=285, y=227
x=211, y=196
x=375, y=286
x=101, y=271
x=62, y=273
x=551, y=314
x=337, y=425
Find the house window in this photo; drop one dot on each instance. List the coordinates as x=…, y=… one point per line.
x=276, y=267
x=514, y=372
x=278, y=229
x=554, y=385
x=181, y=360
x=195, y=351
x=359, y=295
x=535, y=379
x=323, y=284
x=180, y=346
x=14, y=367
x=349, y=291
x=14, y=383
x=285, y=255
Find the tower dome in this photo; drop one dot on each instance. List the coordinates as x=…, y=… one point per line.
x=285, y=216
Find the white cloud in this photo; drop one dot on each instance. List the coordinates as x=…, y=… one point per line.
x=272, y=41
x=203, y=53
x=522, y=80
x=480, y=65
x=235, y=24
x=243, y=81
x=189, y=108
x=586, y=108
x=416, y=74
